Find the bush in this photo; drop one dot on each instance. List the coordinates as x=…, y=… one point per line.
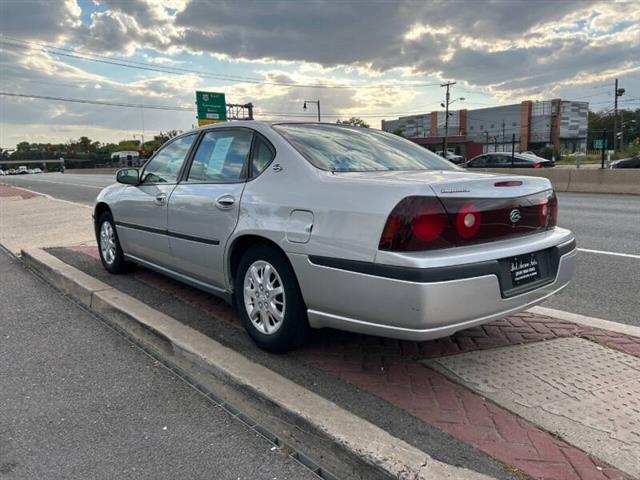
x=549, y=153
x=631, y=150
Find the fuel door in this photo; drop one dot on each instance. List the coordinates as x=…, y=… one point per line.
x=299, y=226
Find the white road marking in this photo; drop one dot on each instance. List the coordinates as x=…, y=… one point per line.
x=46, y=195
x=60, y=183
x=615, y=254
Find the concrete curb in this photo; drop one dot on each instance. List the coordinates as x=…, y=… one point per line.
x=588, y=321
x=346, y=445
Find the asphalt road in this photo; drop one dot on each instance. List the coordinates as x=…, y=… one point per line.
x=79, y=401
x=606, y=284
x=78, y=188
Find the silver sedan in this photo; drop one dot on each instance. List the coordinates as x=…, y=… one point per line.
x=319, y=225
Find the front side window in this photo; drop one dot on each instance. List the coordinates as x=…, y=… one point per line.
x=351, y=149
x=221, y=156
x=165, y=166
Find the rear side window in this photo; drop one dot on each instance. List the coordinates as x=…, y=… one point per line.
x=165, y=166
x=351, y=149
x=221, y=156
x=263, y=154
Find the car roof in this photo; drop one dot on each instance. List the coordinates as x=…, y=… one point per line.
x=270, y=123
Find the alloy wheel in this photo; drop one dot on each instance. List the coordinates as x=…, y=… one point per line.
x=264, y=297
x=107, y=242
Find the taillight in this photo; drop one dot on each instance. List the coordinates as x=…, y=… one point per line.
x=417, y=223
x=553, y=210
x=537, y=165
x=543, y=212
x=426, y=223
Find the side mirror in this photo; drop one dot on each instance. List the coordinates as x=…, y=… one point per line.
x=128, y=176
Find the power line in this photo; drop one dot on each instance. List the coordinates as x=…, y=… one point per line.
x=178, y=108
x=93, y=57
x=97, y=102
x=258, y=111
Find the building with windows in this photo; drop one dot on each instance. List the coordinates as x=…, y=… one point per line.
x=529, y=125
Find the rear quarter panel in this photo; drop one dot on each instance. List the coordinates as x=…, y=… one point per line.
x=348, y=213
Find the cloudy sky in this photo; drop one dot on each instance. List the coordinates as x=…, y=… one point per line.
x=369, y=58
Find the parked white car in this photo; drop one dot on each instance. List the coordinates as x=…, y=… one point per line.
x=451, y=156
x=323, y=225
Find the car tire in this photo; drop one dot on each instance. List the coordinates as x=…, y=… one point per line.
x=269, y=300
x=111, y=254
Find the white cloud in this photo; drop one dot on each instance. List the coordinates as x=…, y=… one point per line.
x=506, y=49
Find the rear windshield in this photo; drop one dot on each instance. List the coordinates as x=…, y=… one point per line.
x=353, y=149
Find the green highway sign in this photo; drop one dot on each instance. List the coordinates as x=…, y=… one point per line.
x=212, y=107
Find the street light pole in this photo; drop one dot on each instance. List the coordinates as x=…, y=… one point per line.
x=316, y=102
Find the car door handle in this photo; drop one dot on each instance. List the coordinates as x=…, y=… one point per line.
x=160, y=198
x=225, y=202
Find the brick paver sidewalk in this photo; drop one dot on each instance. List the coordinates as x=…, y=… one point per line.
x=13, y=192
x=393, y=371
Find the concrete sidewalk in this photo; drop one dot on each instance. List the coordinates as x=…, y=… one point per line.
x=29, y=219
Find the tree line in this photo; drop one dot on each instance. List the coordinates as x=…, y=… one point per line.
x=85, y=149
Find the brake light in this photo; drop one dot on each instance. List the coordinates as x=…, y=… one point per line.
x=427, y=223
x=537, y=165
x=417, y=223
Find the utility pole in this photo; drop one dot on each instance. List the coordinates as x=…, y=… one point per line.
x=503, y=137
x=513, y=148
x=446, y=117
x=617, y=93
x=615, y=118
x=486, y=133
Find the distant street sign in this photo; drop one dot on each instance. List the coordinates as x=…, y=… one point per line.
x=597, y=144
x=211, y=107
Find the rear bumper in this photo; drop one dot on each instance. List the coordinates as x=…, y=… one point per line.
x=419, y=304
